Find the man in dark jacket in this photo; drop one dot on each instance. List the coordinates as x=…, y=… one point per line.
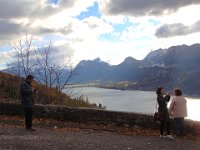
x=27, y=102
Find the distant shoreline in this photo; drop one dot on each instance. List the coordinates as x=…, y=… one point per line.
x=124, y=89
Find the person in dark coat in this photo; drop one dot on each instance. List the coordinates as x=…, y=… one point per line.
x=163, y=110
x=27, y=102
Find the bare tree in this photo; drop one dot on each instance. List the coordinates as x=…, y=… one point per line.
x=44, y=63
x=21, y=56
x=54, y=71
x=20, y=63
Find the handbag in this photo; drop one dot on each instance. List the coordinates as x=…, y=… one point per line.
x=157, y=115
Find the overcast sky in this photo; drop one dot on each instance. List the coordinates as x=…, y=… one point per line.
x=109, y=29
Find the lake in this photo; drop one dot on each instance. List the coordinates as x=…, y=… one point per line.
x=131, y=101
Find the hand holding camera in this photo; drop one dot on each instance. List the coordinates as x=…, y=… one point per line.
x=34, y=90
x=167, y=93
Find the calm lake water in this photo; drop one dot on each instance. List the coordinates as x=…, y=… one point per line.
x=131, y=101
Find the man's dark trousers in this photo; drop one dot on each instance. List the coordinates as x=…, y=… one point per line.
x=28, y=117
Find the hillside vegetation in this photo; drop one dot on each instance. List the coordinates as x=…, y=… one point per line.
x=9, y=93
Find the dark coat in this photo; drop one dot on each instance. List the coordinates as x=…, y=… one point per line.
x=26, y=95
x=162, y=105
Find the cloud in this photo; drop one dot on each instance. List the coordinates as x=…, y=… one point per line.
x=178, y=29
x=4, y=59
x=59, y=54
x=31, y=8
x=21, y=17
x=11, y=30
x=56, y=54
x=145, y=7
x=8, y=28
x=132, y=22
x=63, y=51
x=40, y=31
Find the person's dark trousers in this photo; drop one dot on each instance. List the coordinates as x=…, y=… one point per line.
x=179, y=126
x=28, y=117
x=165, y=125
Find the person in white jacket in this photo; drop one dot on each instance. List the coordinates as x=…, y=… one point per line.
x=178, y=110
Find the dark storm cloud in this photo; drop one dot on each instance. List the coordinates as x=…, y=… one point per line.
x=146, y=7
x=7, y=27
x=31, y=8
x=12, y=10
x=169, y=30
x=10, y=30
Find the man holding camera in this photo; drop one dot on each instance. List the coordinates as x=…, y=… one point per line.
x=26, y=91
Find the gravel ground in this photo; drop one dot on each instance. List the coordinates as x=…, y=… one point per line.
x=54, y=135
x=12, y=138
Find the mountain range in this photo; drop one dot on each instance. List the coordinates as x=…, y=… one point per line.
x=177, y=66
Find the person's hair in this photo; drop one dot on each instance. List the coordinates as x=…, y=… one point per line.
x=178, y=92
x=159, y=89
x=29, y=77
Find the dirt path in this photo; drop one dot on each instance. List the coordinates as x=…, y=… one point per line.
x=12, y=138
x=50, y=135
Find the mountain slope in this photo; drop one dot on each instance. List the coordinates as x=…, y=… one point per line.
x=185, y=56
x=91, y=71
x=177, y=66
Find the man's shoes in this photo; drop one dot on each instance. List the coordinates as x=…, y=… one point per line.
x=162, y=136
x=169, y=137
x=30, y=129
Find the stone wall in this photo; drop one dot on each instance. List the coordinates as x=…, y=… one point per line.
x=96, y=116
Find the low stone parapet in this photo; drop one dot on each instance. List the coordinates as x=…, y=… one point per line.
x=96, y=116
